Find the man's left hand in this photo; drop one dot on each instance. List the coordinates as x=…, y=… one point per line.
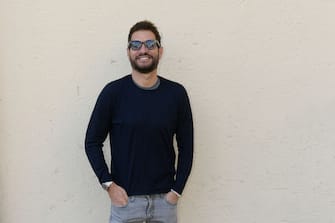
x=172, y=198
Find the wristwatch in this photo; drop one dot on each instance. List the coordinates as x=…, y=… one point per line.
x=106, y=185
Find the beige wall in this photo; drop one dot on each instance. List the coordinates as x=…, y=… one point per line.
x=260, y=75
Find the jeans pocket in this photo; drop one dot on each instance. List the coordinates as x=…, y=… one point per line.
x=130, y=200
x=120, y=206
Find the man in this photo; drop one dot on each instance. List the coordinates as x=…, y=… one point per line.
x=141, y=113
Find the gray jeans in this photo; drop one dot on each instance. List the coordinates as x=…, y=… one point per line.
x=145, y=209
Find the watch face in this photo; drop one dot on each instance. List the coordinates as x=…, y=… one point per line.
x=106, y=185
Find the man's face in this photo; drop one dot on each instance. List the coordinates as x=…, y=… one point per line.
x=144, y=60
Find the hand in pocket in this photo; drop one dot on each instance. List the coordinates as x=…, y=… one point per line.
x=118, y=195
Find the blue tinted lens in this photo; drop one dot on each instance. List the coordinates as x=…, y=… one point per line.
x=150, y=44
x=135, y=45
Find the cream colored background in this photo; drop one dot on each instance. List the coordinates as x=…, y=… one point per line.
x=260, y=75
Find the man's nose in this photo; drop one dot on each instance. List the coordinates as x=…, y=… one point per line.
x=143, y=48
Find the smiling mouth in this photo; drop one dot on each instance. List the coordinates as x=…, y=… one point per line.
x=143, y=57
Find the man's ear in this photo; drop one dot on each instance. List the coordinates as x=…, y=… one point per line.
x=160, y=52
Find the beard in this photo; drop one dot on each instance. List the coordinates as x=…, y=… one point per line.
x=145, y=68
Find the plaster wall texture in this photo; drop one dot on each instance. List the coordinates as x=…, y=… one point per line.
x=260, y=76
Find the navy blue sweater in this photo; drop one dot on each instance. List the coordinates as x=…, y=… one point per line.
x=141, y=125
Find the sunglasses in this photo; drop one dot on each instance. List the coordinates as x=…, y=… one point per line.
x=149, y=44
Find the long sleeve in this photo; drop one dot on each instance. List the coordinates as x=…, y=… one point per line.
x=97, y=131
x=184, y=137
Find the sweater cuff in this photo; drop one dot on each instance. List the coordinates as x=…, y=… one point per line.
x=178, y=195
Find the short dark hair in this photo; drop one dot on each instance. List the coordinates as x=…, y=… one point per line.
x=144, y=25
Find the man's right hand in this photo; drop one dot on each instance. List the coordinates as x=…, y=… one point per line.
x=117, y=195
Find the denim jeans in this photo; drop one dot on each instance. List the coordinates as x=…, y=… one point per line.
x=145, y=209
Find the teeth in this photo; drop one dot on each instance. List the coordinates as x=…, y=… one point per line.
x=144, y=58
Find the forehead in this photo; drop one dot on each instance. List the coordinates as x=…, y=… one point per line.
x=143, y=35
